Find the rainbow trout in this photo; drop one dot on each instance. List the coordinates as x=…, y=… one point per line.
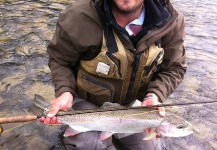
x=119, y=119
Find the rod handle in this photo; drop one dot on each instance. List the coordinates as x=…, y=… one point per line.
x=24, y=118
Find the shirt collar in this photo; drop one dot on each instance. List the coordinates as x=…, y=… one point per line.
x=138, y=21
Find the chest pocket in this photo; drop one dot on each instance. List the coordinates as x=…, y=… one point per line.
x=100, y=78
x=106, y=64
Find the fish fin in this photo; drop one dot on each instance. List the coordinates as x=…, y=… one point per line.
x=109, y=104
x=135, y=103
x=40, y=106
x=41, y=102
x=36, y=111
x=122, y=135
x=105, y=135
x=70, y=132
x=76, y=127
x=150, y=135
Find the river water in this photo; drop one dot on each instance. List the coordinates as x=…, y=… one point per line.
x=26, y=28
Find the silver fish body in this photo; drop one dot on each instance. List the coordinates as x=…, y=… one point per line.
x=129, y=121
x=122, y=120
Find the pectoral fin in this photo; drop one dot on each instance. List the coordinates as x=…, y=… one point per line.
x=109, y=104
x=70, y=132
x=105, y=135
x=150, y=135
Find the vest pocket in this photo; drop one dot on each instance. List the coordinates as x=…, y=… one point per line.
x=94, y=90
x=116, y=61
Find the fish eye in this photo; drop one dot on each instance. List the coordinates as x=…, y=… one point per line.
x=180, y=126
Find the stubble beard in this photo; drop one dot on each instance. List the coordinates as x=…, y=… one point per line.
x=127, y=11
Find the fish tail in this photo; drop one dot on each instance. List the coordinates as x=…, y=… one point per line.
x=40, y=106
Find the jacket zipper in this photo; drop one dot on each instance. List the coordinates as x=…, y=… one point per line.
x=99, y=84
x=135, y=65
x=133, y=77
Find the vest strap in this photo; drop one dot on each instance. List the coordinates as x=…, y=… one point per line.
x=108, y=32
x=110, y=39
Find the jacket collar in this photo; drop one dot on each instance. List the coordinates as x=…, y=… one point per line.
x=156, y=15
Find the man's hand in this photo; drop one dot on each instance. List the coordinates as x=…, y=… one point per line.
x=152, y=99
x=63, y=102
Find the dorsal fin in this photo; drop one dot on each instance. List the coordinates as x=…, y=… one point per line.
x=109, y=104
x=135, y=103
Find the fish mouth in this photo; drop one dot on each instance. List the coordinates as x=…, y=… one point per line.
x=188, y=129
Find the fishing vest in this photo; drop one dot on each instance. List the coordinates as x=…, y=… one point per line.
x=116, y=77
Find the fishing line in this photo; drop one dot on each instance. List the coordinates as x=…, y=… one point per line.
x=169, y=106
x=15, y=127
x=3, y=131
x=182, y=104
x=154, y=110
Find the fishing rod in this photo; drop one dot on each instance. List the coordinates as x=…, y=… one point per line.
x=182, y=104
x=26, y=118
x=116, y=108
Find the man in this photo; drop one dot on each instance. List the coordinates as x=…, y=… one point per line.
x=117, y=51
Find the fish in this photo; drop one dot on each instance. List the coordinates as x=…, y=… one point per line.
x=114, y=118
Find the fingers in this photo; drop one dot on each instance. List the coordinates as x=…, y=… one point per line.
x=42, y=119
x=148, y=102
x=144, y=103
x=49, y=121
x=69, y=105
x=53, y=120
x=158, y=135
x=63, y=102
x=161, y=111
x=53, y=111
x=148, y=130
x=152, y=99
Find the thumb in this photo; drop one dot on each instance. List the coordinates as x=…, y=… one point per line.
x=161, y=111
x=53, y=111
